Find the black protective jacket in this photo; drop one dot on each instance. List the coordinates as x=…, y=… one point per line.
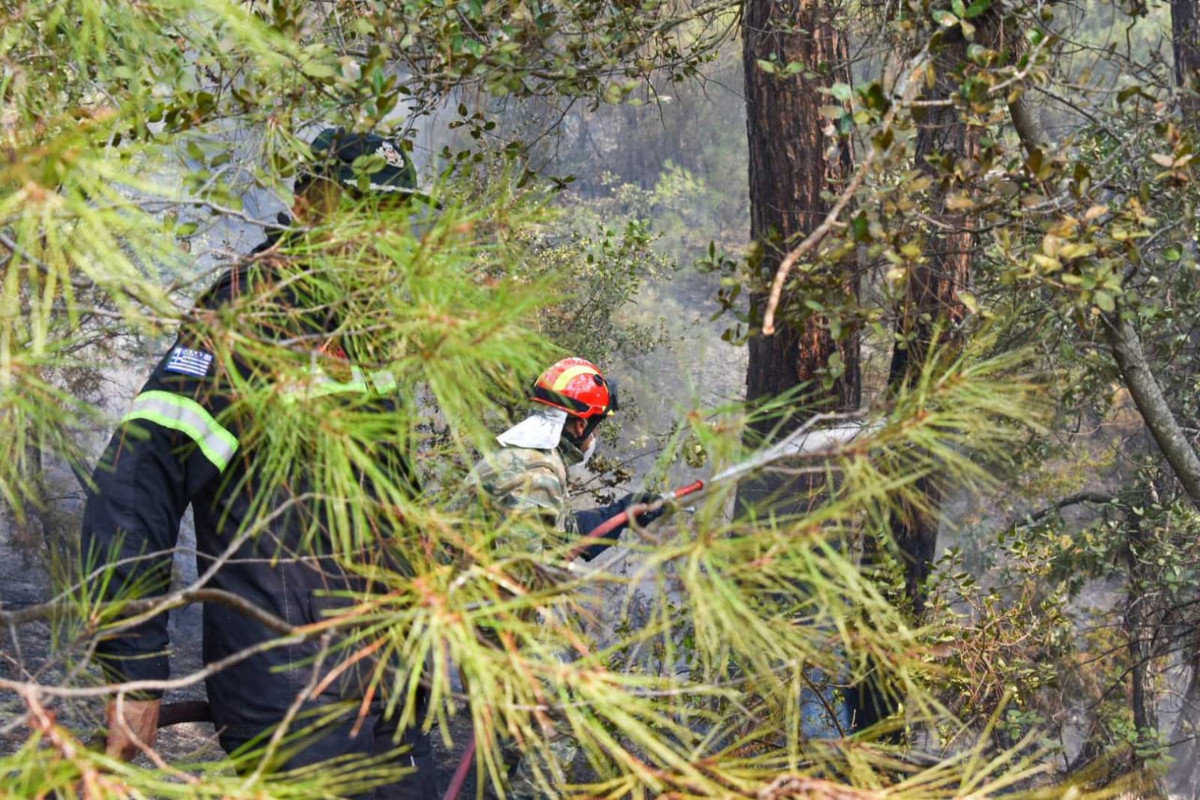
x=182, y=443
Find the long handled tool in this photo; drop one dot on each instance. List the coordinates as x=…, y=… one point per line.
x=611, y=524
x=599, y=532
x=806, y=440
x=803, y=440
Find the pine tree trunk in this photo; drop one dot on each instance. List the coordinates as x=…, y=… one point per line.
x=928, y=317
x=931, y=308
x=1185, y=41
x=792, y=161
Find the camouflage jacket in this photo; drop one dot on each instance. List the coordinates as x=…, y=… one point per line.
x=525, y=484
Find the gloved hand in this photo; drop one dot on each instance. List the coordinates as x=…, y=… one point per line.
x=646, y=517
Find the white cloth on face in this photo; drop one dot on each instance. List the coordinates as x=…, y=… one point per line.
x=580, y=470
x=541, y=430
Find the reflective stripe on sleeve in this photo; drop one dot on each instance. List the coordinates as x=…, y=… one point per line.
x=189, y=418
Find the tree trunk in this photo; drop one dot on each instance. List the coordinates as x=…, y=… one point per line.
x=1185, y=41
x=792, y=161
x=1141, y=630
x=931, y=313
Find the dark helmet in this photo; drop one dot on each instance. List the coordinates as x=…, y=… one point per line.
x=382, y=165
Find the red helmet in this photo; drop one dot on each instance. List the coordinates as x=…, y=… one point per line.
x=576, y=386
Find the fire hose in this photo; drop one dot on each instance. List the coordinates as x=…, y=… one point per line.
x=611, y=524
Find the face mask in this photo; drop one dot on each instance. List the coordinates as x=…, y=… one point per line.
x=587, y=455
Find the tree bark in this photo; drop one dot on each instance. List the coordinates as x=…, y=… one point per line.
x=929, y=316
x=1185, y=42
x=931, y=307
x=1152, y=404
x=1142, y=633
x=792, y=160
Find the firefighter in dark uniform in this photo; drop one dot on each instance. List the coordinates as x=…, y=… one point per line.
x=182, y=443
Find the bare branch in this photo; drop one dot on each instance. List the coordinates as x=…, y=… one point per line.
x=1152, y=403
x=907, y=88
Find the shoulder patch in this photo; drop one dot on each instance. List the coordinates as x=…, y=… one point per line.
x=186, y=361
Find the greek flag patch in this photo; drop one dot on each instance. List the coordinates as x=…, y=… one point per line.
x=187, y=361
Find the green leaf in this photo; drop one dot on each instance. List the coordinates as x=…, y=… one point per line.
x=846, y=124
x=841, y=91
x=862, y=228
x=1069, y=252
x=1047, y=263
x=944, y=18
x=836, y=366
x=1104, y=300
x=976, y=8
x=766, y=66
x=318, y=69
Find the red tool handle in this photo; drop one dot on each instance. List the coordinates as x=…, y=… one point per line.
x=460, y=774
x=609, y=525
x=685, y=490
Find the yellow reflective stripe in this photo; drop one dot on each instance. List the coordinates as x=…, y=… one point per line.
x=188, y=417
x=569, y=374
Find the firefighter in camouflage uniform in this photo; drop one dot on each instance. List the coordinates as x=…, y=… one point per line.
x=526, y=477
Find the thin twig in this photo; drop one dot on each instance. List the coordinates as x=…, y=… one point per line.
x=1100, y=498
x=170, y=684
